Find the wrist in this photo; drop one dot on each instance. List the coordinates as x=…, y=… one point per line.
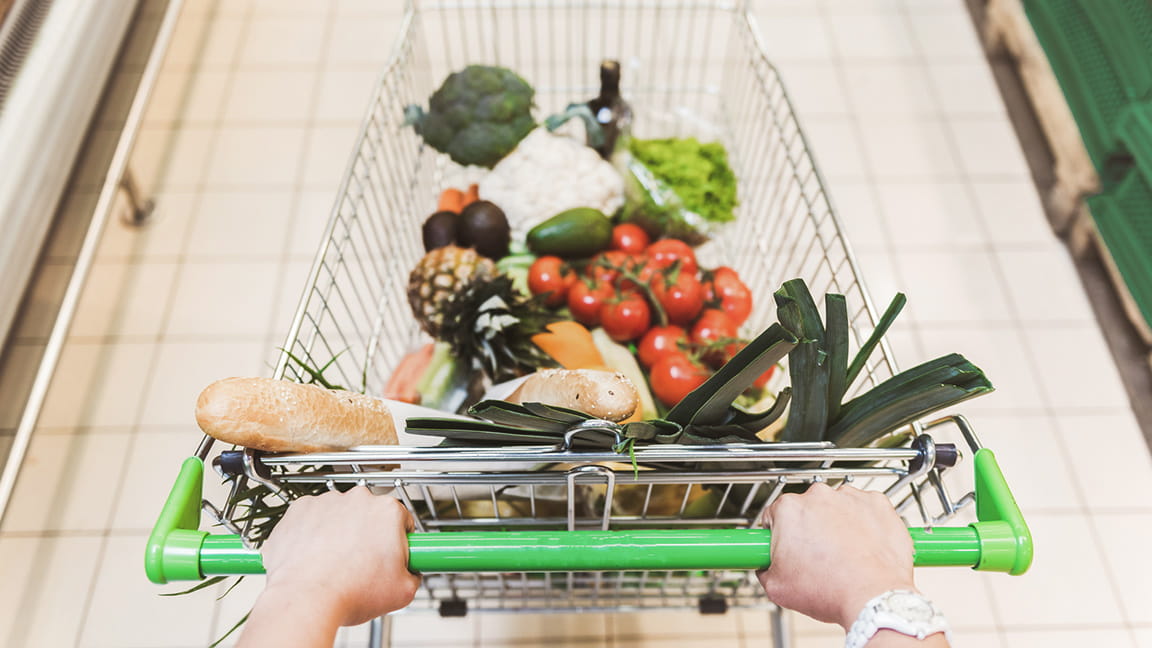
x=303, y=601
x=855, y=601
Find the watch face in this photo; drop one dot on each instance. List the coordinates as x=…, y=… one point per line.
x=910, y=606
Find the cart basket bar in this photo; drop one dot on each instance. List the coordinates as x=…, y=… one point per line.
x=1000, y=541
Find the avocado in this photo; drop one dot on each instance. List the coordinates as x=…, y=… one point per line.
x=573, y=234
x=440, y=230
x=484, y=226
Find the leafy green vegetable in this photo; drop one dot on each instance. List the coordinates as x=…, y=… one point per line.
x=679, y=187
x=478, y=115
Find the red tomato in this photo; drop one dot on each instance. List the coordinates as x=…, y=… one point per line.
x=548, y=275
x=681, y=300
x=723, y=288
x=665, y=252
x=605, y=267
x=629, y=238
x=713, y=325
x=658, y=342
x=585, y=301
x=674, y=376
x=626, y=318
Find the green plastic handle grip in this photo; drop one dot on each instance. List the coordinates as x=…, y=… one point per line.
x=1000, y=541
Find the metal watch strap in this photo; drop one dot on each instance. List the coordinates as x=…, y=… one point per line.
x=879, y=615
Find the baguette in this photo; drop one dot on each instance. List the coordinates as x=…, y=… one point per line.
x=602, y=394
x=283, y=416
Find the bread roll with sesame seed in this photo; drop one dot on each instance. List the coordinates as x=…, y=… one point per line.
x=283, y=416
x=602, y=394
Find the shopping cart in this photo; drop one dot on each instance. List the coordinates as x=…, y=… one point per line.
x=556, y=528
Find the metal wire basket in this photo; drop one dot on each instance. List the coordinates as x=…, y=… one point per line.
x=691, y=69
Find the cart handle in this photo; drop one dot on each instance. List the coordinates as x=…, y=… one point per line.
x=1000, y=541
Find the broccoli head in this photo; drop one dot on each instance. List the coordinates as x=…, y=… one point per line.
x=478, y=115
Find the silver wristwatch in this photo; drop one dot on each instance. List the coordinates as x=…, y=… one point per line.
x=902, y=611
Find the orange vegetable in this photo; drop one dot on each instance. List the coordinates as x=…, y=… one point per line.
x=451, y=200
x=472, y=195
x=402, y=384
x=570, y=345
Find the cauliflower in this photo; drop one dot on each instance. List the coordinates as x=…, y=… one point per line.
x=477, y=116
x=548, y=174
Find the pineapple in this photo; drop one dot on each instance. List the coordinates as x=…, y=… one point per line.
x=442, y=273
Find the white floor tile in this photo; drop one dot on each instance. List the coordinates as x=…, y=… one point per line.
x=150, y=469
x=946, y=33
x=988, y=148
x=162, y=238
x=881, y=35
x=222, y=43
x=815, y=88
x=124, y=301
x=907, y=149
x=67, y=482
x=232, y=607
x=938, y=214
x=889, y=88
x=248, y=158
x=957, y=287
x=184, y=369
x=837, y=151
x=363, y=39
x=962, y=595
x=126, y=610
x=41, y=611
x=1122, y=537
x=1049, y=594
x=1143, y=637
x=184, y=98
x=976, y=640
x=81, y=395
x=1000, y=352
x=1100, y=386
x=796, y=37
x=344, y=92
x=1012, y=212
x=169, y=158
x=297, y=40
x=1044, y=286
x=270, y=96
x=241, y=226
x=966, y=89
x=1114, y=636
x=672, y=624
x=503, y=629
x=421, y=629
x=1110, y=460
x=312, y=211
x=715, y=642
x=329, y=150
x=855, y=203
x=224, y=299
x=1035, y=462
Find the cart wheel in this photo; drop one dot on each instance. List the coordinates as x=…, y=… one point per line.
x=712, y=604
x=453, y=608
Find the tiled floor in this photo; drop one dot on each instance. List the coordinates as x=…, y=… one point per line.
x=920, y=159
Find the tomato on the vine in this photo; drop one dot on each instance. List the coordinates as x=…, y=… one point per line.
x=630, y=238
x=724, y=288
x=626, y=318
x=681, y=299
x=549, y=275
x=605, y=266
x=586, y=299
x=674, y=376
x=658, y=342
x=713, y=325
x=665, y=252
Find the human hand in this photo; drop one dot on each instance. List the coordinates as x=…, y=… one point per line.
x=834, y=550
x=348, y=548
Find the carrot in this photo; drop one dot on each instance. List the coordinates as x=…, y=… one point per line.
x=402, y=384
x=570, y=345
x=451, y=200
x=471, y=196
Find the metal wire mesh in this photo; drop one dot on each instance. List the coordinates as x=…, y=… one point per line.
x=691, y=69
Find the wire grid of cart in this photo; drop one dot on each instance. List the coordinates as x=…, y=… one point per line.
x=690, y=69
